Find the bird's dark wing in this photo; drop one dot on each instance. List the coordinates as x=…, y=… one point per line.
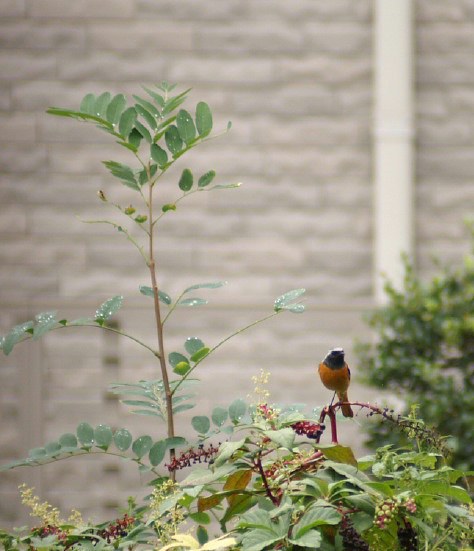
x=348, y=371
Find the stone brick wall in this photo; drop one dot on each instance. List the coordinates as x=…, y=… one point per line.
x=295, y=79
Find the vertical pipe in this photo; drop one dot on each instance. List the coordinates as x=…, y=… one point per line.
x=393, y=139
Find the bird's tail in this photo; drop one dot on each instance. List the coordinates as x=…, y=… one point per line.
x=345, y=408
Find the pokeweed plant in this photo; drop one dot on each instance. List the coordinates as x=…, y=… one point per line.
x=258, y=470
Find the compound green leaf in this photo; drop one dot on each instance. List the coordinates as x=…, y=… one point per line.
x=103, y=436
x=127, y=120
x=53, y=448
x=149, y=107
x=193, y=344
x=124, y=173
x=101, y=104
x=206, y=178
x=88, y=104
x=219, y=416
x=157, y=452
x=201, y=424
x=115, y=108
x=186, y=180
x=108, y=308
x=186, y=128
x=173, y=140
x=212, y=285
x=143, y=131
x=148, y=292
x=157, y=97
x=68, y=440
x=203, y=119
x=122, y=439
x=85, y=434
x=142, y=446
x=158, y=154
x=237, y=410
x=288, y=298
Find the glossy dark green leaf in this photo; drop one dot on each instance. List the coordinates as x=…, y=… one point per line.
x=122, y=439
x=173, y=140
x=219, y=416
x=186, y=128
x=157, y=452
x=142, y=446
x=201, y=532
x=108, y=308
x=88, y=104
x=135, y=138
x=237, y=410
x=186, y=180
x=68, y=440
x=124, y=173
x=200, y=354
x=203, y=119
x=103, y=436
x=101, y=104
x=85, y=434
x=201, y=424
x=158, y=154
x=206, y=178
x=116, y=108
x=193, y=344
x=127, y=120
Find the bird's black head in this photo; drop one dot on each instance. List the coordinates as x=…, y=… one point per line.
x=334, y=358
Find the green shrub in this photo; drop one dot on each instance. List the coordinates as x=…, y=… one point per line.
x=424, y=353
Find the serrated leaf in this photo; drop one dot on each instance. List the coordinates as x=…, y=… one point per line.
x=201, y=424
x=103, y=436
x=186, y=180
x=85, y=434
x=206, y=178
x=88, y=104
x=157, y=452
x=173, y=140
x=124, y=173
x=108, y=308
x=219, y=416
x=186, y=128
x=284, y=438
x=142, y=445
x=158, y=154
x=127, y=120
x=237, y=410
x=115, y=108
x=68, y=440
x=101, y=104
x=122, y=439
x=203, y=119
x=193, y=344
x=287, y=299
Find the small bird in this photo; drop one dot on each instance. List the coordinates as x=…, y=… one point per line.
x=336, y=375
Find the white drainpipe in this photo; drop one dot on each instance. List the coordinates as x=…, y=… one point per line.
x=393, y=139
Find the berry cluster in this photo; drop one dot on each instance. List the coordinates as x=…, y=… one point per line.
x=408, y=538
x=306, y=428
x=117, y=529
x=384, y=512
x=191, y=457
x=50, y=530
x=351, y=539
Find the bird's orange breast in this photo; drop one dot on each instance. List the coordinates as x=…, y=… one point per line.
x=335, y=379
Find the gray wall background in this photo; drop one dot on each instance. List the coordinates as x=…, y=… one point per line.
x=295, y=78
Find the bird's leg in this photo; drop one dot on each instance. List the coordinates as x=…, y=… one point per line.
x=333, y=396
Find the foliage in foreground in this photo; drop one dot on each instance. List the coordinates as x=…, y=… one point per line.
x=257, y=473
x=425, y=352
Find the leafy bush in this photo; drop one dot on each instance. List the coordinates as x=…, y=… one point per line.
x=425, y=353
x=255, y=472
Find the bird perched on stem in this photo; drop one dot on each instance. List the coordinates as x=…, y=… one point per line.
x=336, y=375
